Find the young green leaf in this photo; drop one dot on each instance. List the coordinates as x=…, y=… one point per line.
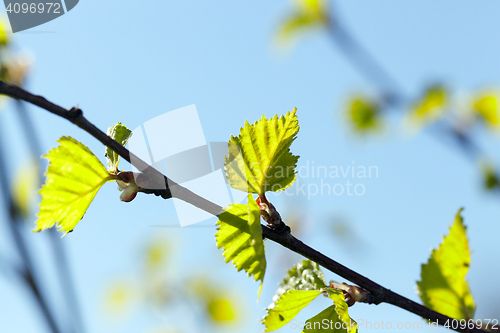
x=259, y=157
x=121, y=134
x=430, y=107
x=364, y=114
x=305, y=275
x=443, y=287
x=308, y=15
x=487, y=106
x=240, y=235
x=24, y=188
x=334, y=318
x=73, y=178
x=287, y=307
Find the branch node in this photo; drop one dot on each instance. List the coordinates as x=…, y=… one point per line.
x=75, y=112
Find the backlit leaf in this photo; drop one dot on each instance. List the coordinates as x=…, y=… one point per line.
x=121, y=134
x=24, y=187
x=73, y=178
x=430, y=107
x=364, y=114
x=308, y=15
x=287, y=307
x=334, y=318
x=259, y=157
x=487, y=106
x=305, y=275
x=443, y=287
x=239, y=233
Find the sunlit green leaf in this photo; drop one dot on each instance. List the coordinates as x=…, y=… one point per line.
x=443, y=287
x=221, y=310
x=73, y=178
x=239, y=233
x=287, y=307
x=305, y=275
x=3, y=32
x=121, y=134
x=364, y=114
x=490, y=177
x=307, y=16
x=430, y=107
x=487, y=106
x=334, y=318
x=259, y=157
x=24, y=187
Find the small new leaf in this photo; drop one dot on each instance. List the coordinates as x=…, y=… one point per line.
x=364, y=114
x=287, y=307
x=121, y=134
x=259, y=157
x=74, y=176
x=443, y=287
x=487, y=106
x=305, y=275
x=334, y=318
x=430, y=107
x=308, y=15
x=240, y=235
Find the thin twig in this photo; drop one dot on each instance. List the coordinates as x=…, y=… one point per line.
x=379, y=294
x=58, y=250
x=390, y=90
x=20, y=243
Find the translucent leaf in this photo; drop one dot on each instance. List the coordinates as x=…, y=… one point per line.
x=73, y=178
x=259, y=157
x=443, y=287
x=221, y=310
x=430, y=107
x=487, y=105
x=491, y=180
x=24, y=187
x=334, y=318
x=240, y=235
x=121, y=134
x=287, y=307
x=364, y=114
x=305, y=275
x=308, y=15
x=3, y=32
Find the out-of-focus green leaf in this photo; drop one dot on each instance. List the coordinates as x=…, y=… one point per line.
x=443, y=287
x=239, y=233
x=259, y=157
x=222, y=307
x=24, y=187
x=121, y=134
x=334, y=318
x=490, y=177
x=487, y=106
x=306, y=275
x=118, y=298
x=221, y=310
x=287, y=307
x=430, y=107
x=3, y=32
x=307, y=16
x=74, y=176
x=364, y=114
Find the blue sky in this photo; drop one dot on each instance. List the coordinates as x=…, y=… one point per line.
x=132, y=61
